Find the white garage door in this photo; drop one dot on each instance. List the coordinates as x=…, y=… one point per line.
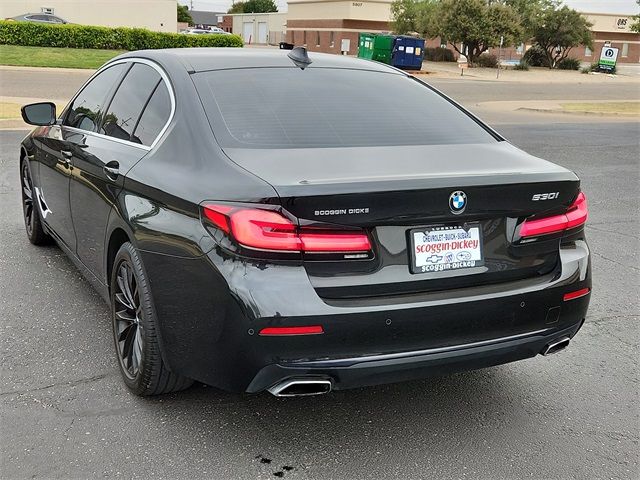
x=247, y=32
x=262, y=32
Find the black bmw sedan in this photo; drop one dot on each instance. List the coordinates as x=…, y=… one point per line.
x=298, y=223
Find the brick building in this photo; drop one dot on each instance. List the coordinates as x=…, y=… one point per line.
x=615, y=29
x=332, y=26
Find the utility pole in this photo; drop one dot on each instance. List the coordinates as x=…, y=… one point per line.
x=499, y=56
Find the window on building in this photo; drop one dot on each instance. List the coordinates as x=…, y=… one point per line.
x=304, y=37
x=129, y=100
x=332, y=42
x=625, y=50
x=317, y=39
x=587, y=52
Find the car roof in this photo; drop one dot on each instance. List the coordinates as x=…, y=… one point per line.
x=217, y=58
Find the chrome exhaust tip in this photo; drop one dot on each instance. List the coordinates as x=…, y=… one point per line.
x=556, y=346
x=300, y=387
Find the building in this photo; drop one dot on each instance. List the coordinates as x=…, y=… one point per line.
x=227, y=23
x=608, y=28
x=157, y=15
x=259, y=28
x=614, y=29
x=206, y=19
x=333, y=26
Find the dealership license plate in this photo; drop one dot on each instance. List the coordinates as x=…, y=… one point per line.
x=438, y=249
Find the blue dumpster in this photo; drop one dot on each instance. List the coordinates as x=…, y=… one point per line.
x=408, y=52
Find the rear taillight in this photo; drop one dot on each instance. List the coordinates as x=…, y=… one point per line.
x=575, y=216
x=269, y=230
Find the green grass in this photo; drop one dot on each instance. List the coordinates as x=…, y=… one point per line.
x=619, y=108
x=55, y=57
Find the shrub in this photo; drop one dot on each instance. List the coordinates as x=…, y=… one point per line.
x=536, y=57
x=438, y=54
x=569, y=64
x=83, y=36
x=487, y=60
x=522, y=65
x=595, y=67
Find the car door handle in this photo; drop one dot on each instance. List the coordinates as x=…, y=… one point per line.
x=66, y=157
x=112, y=169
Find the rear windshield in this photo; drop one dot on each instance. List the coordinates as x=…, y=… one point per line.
x=321, y=107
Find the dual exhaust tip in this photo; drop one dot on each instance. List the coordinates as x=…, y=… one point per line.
x=301, y=387
x=306, y=387
x=556, y=346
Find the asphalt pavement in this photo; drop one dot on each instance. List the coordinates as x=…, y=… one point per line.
x=64, y=412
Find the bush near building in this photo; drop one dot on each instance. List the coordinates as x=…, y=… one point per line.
x=438, y=54
x=536, y=57
x=120, y=38
x=569, y=64
x=487, y=60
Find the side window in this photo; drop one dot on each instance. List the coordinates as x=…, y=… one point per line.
x=85, y=110
x=154, y=117
x=129, y=100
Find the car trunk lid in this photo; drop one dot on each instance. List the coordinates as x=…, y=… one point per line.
x=395, y=193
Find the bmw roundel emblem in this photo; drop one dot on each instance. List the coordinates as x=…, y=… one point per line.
x=457, y=202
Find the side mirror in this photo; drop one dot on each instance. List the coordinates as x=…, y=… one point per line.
x=43, y=113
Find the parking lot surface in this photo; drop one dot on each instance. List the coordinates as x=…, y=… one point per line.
x=66, y=414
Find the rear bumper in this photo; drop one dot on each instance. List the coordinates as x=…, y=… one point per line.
x=212, y=310
x=379, y=369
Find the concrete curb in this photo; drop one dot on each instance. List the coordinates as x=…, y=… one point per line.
x=47, y=69
x=585, y=112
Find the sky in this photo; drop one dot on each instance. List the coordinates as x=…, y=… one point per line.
x=592, y=6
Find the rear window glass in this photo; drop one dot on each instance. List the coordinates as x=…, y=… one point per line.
x=320, y=107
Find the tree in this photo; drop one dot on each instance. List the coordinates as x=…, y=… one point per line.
x=635, y=26
x=254, y=6
x=531, y=13
x=184, y=15
x=561, y=30
x=237, y=7
x=419, y=16
x=474, y=26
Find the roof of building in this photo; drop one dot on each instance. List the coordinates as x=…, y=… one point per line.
x=201, y=17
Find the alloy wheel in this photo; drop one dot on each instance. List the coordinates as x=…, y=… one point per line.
x=128, y=320
x=28, y=199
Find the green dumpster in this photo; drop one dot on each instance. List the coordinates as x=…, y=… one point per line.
x=375, y=47
x=365, y=45
x=382, y=48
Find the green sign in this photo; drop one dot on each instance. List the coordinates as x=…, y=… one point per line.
x=608, y=58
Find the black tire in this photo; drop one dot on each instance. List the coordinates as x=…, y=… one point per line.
x=30, y=209
x=135, y=326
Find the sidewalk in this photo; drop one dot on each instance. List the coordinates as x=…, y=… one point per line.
x=537, y=75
